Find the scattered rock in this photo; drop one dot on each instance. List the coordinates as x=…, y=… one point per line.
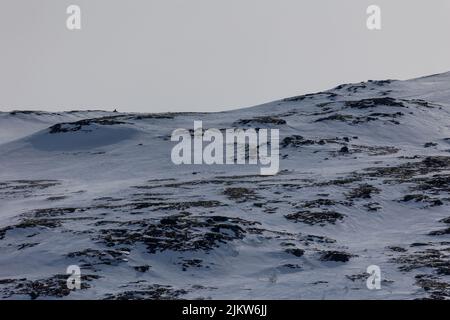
x=240, y=194
x=261, y=120
x=363, y=191
x=78, y=125
x=430, y=144
x=338, y=256
x=295, y=251
x=312, y=218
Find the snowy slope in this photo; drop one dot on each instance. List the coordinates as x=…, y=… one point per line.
x=364, y=180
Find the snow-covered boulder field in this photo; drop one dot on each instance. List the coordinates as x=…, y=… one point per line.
x=364, y=180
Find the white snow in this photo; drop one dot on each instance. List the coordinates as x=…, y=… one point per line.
x=106, y=169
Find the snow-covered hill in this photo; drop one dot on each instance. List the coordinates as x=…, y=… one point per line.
x=364, y=180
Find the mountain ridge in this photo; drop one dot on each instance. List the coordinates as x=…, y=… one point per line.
x=365, y=170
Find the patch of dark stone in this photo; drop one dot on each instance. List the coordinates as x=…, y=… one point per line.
x=408, y=170
x=203, y=130
x=27, y=112
x=56, y=198
x=25, y=187
x=176, y=205
x=290, y=266
x=385, y=93
x=313, y=218
x=322, y=202
x=181, y=232
x=138, y=204
x=78, y=111
x=261, y=120
x=337, y=117
x=374, y=150
x=287, y=244
x=354, y=120
x=436, y=162
x=363, y=191
x=53, y=287
x=149, y=292
x=326, y=110
x=318, y=203
x=295, y=252
x=220, y=180
x=361, y=278
x=419, y=244
x=441, y=232
x=358, y=277
x=30, y=223
x=192, y=263
x=270, y=210
x=422, y=103
x=410, y=157
x=109, y=199
x=430, y=144
x=386, y=115
x=373, y=206
x=339, y=182
x=381, y=83
x=422, y=198
x=374, y=102
x=344, y=149
x=91, y=257
x=298, y=141
x=397, y=249
x=143, y=268
x=27, y=245
x=352, y=88
x=3, y=232
x=318, y=239
x=325, y=106
x=310, y=96
x=153, y=116
x=26, y=184
x=435, y=184
x=240, y=194
x=78, y=125
x=337, y=256
x=433, y=286
x=438, y=260
x=445, y=220
x=53, y=212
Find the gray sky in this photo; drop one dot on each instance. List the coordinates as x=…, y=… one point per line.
x=208, y=55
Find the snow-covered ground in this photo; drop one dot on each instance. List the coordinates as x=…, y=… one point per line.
x=364, y=180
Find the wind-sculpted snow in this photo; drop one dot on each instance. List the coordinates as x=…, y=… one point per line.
x=364, y=180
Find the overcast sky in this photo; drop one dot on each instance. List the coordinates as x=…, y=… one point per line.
x=208, y=55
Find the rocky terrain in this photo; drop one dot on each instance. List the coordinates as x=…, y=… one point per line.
x=364, y=180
